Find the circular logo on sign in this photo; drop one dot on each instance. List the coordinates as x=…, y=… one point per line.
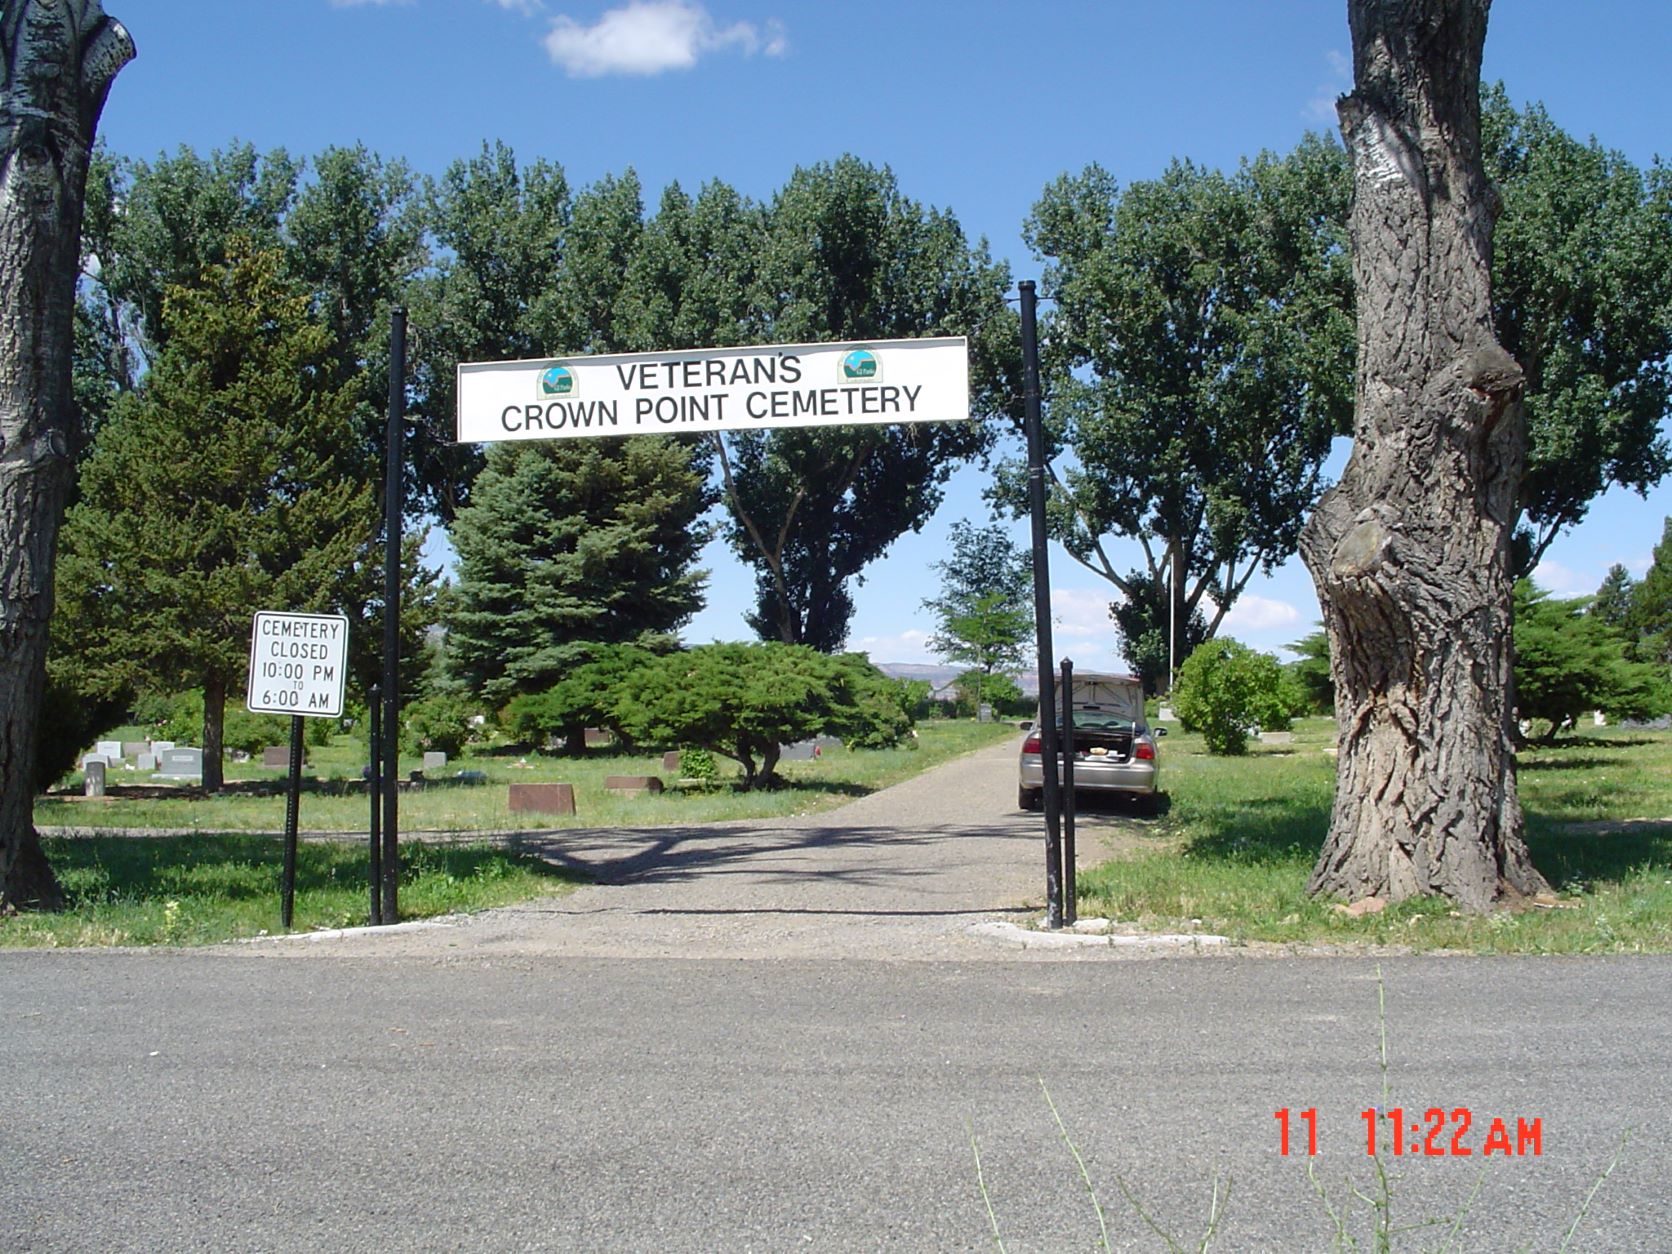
x=557, y=381
x=861, y=366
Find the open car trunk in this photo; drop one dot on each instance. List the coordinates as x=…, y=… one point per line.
x=1106, y=709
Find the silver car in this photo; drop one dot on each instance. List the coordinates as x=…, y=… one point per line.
x=1114, y=746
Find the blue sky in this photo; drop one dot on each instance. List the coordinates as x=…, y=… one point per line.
x=975, y=106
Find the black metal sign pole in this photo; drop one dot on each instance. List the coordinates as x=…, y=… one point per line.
x=374, y=781
x=292, y=805
x=392, y=616
x=1068, y=868
x=1041, y=600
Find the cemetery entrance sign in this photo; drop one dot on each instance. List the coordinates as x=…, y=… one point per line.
x=715, y=389
x=298, y=663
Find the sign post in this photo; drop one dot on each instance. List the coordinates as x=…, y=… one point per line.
x=298, y=664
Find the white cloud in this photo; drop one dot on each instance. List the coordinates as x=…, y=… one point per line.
x=1255, y=613
x=528, y=8
x=1563, y=581
x=1082, y=614
x=1320, y=110
x=910, y=646
x=652, y=36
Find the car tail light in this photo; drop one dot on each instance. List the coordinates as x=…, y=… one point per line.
x=1144, y=751
x=1031, y=744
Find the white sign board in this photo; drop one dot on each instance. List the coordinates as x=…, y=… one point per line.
x=298, y=663
x=715, y=389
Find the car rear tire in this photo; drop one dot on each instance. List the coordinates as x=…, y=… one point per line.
x=1030, y=798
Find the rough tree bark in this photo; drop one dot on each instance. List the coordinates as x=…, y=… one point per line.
x=1410, y=551
x=59, y=58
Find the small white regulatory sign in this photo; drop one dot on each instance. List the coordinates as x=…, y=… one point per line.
x=298, y=663
x=715, y=389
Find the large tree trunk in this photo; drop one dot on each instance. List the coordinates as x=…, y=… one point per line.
x=1410, y=551
x=59, y=59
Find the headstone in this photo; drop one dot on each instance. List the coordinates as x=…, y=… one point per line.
x=185, y=763
x=670, y=760
x=632, y=785
x=93, y=778
x=984, y=713
x=471, y=778
x=596, y=736
x=109, y=750
x=157, y=746
x=1277, y=738
x=147, y=761
x=807, y=750
x=276, y=755
x=133, y=748
x=1165, y=714
x=434, y=761
x=542, y=798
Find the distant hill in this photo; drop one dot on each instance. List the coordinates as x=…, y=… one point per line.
x=942, y=676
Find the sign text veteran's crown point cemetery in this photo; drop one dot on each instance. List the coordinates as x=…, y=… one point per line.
x=715, y=389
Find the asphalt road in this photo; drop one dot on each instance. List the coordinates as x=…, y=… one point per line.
x=497, y=1096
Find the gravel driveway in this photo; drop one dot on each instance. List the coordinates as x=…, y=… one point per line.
x=902, y=873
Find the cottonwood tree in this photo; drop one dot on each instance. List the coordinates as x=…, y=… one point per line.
x=499, y=230
x=1410, y=552
x=1582, y=299
x=58, y=61
x=846, y=256
x=1199, y=359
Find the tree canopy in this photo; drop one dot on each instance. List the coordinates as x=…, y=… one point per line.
x=845, y=255
x=984, y=612
x=746, y=701
x=1582, y=299
x=1569, y=663
x=1199, y=363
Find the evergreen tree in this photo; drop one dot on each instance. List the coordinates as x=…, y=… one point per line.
x=1569, y=662
x=228, y=482
x=567, y=545
x=1650, y=618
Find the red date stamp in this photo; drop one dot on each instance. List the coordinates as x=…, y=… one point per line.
x=1436, y=1132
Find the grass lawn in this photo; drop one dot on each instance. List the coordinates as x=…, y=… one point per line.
x=337, y=801
x=194, y=890
x=218, y=878
x=1233, y=853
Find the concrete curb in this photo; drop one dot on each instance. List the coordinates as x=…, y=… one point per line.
x=1091, y=934
x=338, y=933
